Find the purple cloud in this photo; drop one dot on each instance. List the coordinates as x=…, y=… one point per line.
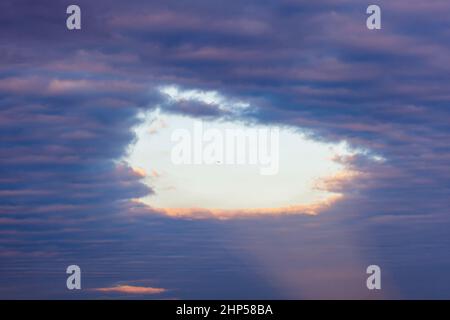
x=69, y=101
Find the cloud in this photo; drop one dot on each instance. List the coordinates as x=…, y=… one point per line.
x=224, y=214
x=127, y=289
x=69, y=102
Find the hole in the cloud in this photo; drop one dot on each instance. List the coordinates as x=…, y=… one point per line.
x=225, y=190
x=305, y=179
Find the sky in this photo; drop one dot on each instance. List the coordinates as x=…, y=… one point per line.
x=85, y=122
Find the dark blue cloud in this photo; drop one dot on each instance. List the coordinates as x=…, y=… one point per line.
x=69, y=101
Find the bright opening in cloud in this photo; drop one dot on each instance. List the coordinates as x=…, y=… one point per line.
x=223, y=190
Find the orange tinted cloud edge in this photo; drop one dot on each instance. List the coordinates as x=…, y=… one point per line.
x=311, y=209
x=131, y=290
